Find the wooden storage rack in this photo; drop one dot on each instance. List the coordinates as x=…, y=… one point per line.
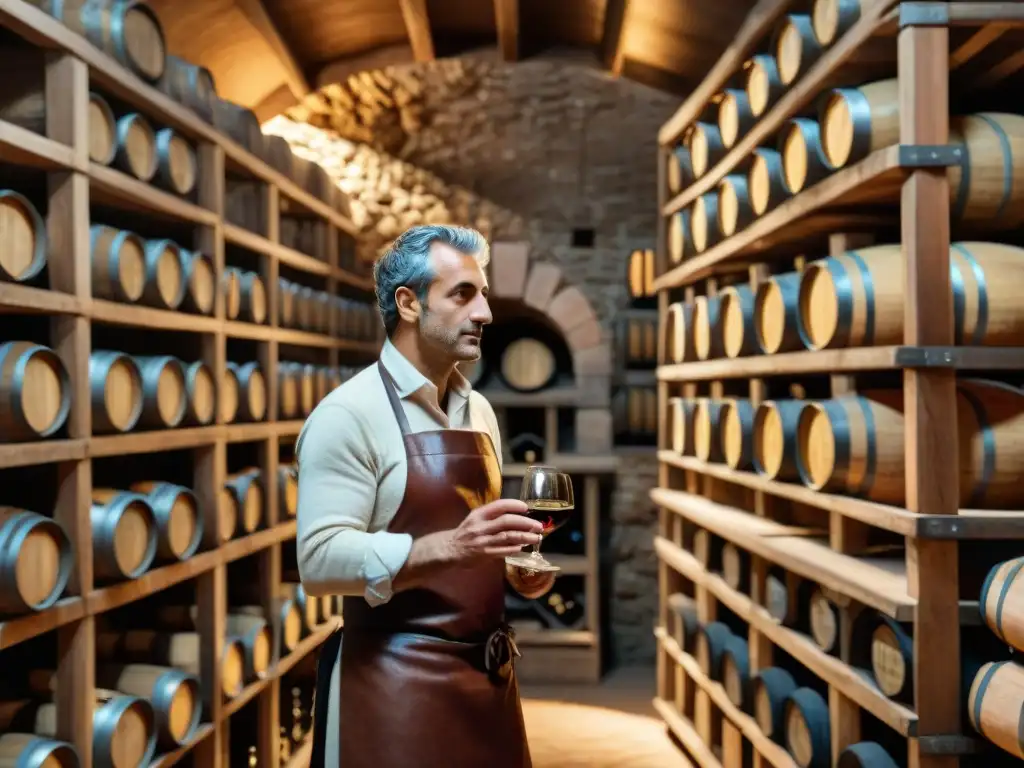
x=72, y=66
x=698, y=498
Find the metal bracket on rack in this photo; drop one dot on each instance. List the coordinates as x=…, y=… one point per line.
x=948, y=744
x=963, y=358
x=930, y=155
x=957, y=527
x=923, y=15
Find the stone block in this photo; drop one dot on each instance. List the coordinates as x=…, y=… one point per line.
x=595, y=361
x=594, y=392
x=510, y=263
x=593, y=431
x=541, y=285
x=585, y=335
x=570, y=309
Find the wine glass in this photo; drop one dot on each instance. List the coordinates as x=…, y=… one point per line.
x=548, y=496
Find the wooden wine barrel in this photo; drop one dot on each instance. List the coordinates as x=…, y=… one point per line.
x=24, y=250
x=287, y=302
x=989, y=189
x=857, y=299
x=787, y=598
x=231, y=287
x=179, y=521
x=990, y=431
x=808, y=734
x=707, y=441
x=115, y=388
x=307, y=388
x=527, y=365
x=763, y=84
x=102, y=130
x=164, y=398
x=165, y=285
x=998, y=687
x=680, y=236
x=777, y=314
x=704, y=222
x=27, y=749
x=795, y=47
x=854, y=122
x=735, y=567
x=638, y=337
x=711, y=639
x=854, y=444
x=229, y=394
x=173, y=649
x=35, y=391
x=238, y=123
x=191, y=85
x=736, y=319
x=200, y=394
x=683, y=620
x=288, y=375
x=289, y=616
x=126, y=30
x=252, y=387
x=831, y=19
x=775, y=438
x=736, y=671
x=257, y=641
x=735, y=117
x=803, y=160
x=118, y=264
x=865, y=754
x=736, y=432
x=124, y=536
x=707, y=327
x=680, y=422
x=892, y=654
x=200, y=279
x=706, y=148
x=640, y=273
x=35, y=561
x=734, y=210
x=679, y=171
x=766, y=180
x=307, y=606
x=253, y=297
x=177, y=168
x=1000, y=602
x=246, y=493
x=824, y=620
x=123, y=726
x=707, y=548
x=278, y=153
x=136, y=147
x=174, y=694
x=635, y=411
x=288, y=489
x=678, y=333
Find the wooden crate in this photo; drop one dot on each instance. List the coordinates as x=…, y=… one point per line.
x=924, y=578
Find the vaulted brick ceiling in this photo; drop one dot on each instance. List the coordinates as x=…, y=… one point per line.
x=269, y=54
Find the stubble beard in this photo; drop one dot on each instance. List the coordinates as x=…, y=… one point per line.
x=449, y=342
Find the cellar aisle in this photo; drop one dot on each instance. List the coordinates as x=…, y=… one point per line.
x=609, y=725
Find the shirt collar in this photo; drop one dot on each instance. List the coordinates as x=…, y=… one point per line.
x=409, y=380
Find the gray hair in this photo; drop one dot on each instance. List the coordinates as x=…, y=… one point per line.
x=406, y=263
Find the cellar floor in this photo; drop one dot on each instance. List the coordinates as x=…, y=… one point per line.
x=610, y=725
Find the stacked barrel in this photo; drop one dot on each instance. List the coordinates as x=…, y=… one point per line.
x=817, y=471
x=635, y=401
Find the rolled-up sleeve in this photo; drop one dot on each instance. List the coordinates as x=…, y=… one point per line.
x=337, y=554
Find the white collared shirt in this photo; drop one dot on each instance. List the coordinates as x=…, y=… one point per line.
x=352, y=474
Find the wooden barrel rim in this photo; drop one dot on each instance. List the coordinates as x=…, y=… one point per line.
x=859, y=112
x=836, y=273
x=865, y=754
x=44, y=751
x=24, y=525
x=106, y=723
x=839, y=427
x=25, y=355
x=164, y=697
x=40, y=248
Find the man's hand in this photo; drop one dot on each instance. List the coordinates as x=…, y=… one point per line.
x=492, y=531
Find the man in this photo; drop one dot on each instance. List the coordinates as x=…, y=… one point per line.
x=399, y=511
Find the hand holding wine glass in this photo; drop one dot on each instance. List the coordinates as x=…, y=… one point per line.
x=548, y=496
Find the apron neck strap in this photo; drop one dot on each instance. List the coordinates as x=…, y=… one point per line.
x=396, y=402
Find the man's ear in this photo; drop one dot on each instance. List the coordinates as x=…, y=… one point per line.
x=408, y=304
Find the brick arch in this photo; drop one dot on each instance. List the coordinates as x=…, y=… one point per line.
x=514, y=275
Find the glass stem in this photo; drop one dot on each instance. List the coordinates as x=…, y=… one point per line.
x=536, y=549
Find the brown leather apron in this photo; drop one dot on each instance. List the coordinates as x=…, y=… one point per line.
x=428, y=678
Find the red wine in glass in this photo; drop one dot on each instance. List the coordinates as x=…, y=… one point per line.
x=548, y=496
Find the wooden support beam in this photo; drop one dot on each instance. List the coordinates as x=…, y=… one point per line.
x=506, y=19
x=417, y=24
x=255, y=11
x=613, y=49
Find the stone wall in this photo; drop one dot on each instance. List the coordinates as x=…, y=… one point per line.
x=528, y=152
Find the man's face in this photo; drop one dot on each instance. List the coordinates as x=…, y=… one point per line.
x=456, y=310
